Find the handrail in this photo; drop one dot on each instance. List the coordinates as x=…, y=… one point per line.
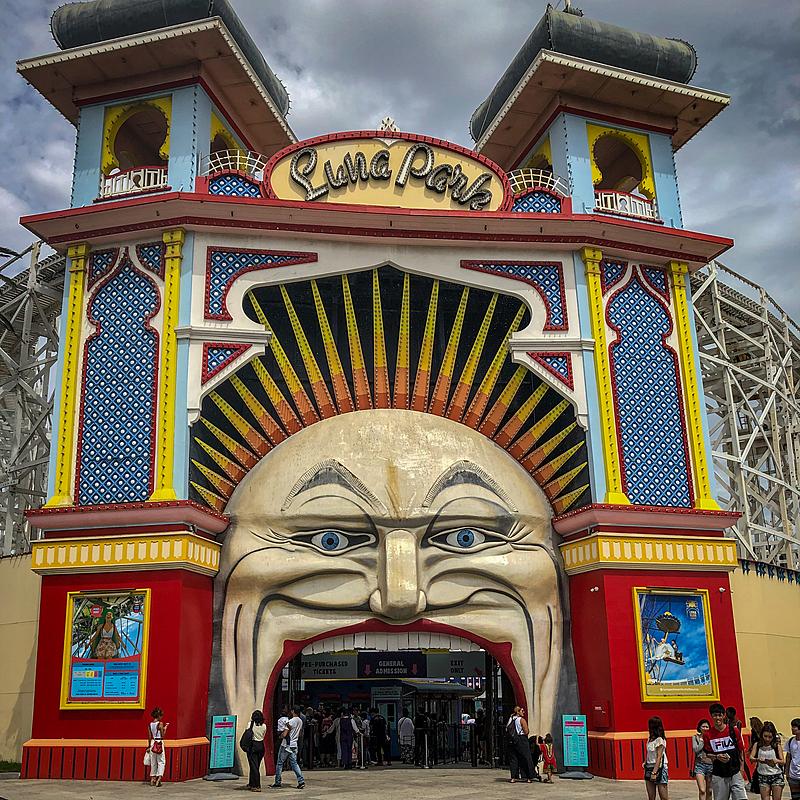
x=248, y=162
x=624, y=203
x=524, y=179
x=133, y=181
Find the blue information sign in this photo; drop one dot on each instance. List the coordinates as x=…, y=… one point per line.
x=576, y=745
x=223, y=741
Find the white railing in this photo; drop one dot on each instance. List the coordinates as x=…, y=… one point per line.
x=133, y=181
x=624, y=204
x=523, y=180
x=249, y=163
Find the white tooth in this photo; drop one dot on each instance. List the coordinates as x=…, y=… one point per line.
x=360, y=640
x=308, y=649
x=413, y=641
x=424, y=640
x=381, y=641
x=402, y=641
x=338, y=644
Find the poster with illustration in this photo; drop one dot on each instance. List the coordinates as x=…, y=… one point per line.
x=105, y=646
x=676, y=647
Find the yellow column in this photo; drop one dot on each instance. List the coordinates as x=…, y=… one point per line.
x=691, y=391
x=611, y=458
x=164, y=489
x=65, y=444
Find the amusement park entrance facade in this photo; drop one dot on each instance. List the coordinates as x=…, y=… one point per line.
x=374, y=403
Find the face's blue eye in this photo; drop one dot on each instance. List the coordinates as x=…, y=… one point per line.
x=465, y=538
x=330, y=540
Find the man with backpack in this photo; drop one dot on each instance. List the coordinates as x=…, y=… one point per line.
x=723, y=744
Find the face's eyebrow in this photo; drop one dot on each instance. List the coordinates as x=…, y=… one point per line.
x=465, y=472
x=331, y=473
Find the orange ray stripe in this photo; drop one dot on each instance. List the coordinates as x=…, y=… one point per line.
x=551, y=468
x=557, y=485
x=507, y=433
x=442, y=389
x=401, y=373
x=495, y=416
x=281, y=405
x=422, y=383
x=223, y=486
x=210, y=498
x=240, y=453
x=563, y=503
x=360, y=379
x=253, y=438
x=274, y=432
x=531, y=436
x=532, y=461
x=379, y=347
x=341, y=391
x=231, y=468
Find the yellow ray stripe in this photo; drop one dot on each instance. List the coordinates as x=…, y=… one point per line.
x=461, y=393
x=238, y=451
x=231, y=468
x=304, y=405
x=275, y=395
x=481, y=400
x=223, y=486
x=548, y=470
x=557, y=485
x=442, y=389
x=274, y=431
x=518, y=418
x=341, y=391
x=360, y=380
x=253, y=438
x=531, y=436
x=495, y=416
x=403, y=343
x=318, y=386
x=532, y=461
x=210, y=498
x=562, y=504
x=379, y=346
x=422, y=382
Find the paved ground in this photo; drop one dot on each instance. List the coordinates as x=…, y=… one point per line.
x=385, y=784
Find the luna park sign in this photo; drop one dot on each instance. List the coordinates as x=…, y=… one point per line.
x=384, y=169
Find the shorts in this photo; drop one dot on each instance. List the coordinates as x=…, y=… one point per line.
x=702, y=769
x=771, y=780
x=732, y=788
x=662, y=779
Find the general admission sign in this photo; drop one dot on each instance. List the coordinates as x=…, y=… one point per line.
x=379, y=168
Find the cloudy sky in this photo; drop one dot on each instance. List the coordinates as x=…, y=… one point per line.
x=429, y=63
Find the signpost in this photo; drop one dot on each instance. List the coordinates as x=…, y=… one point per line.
x=576, y=748
x=223, y=741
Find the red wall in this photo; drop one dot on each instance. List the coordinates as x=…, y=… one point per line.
x=178, y=665
x=604, y=640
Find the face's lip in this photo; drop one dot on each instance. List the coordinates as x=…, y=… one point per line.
x=501, y=651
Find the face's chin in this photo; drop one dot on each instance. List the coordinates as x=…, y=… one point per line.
x=422, y=526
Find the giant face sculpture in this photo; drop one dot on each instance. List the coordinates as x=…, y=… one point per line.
x=395, y=516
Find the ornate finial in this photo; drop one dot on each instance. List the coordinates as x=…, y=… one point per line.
x=389, y=125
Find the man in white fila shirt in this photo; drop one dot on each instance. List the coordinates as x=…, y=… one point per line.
x=290, y=735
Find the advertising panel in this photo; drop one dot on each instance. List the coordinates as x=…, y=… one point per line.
x=576, y=743
x=223, y=741
x=675, y=644
x=105, y=648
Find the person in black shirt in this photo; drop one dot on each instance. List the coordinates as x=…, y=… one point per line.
x=420, y=739
x=379, y=738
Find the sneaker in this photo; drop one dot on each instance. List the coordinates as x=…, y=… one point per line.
x=301, y=785
x=276, y=786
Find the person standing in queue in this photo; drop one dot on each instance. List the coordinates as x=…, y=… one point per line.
x=379, y=738
x=723, y=744
x=421, y=739
x=288, y=750
x=156, y=730
x=520, y=759
x=255, y=754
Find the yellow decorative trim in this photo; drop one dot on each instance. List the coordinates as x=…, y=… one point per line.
x=218, y=128
x=621, y=551
x=611, y=458
x=165, y=455
x=691, y=392
x=640, y=145
x=542, y=150
x=65, y=664
x=65, y=442
x=116, y=116
x=178, y=550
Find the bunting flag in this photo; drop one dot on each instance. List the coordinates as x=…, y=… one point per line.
x=387, y=339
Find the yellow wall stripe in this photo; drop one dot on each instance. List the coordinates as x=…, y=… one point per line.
x=441, y=391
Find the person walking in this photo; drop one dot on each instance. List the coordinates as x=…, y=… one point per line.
x=255, y=754
x=793, y=760
x=379, y=738
x=156, y=730
x=701, y=770
x=548, y=758
x=724, y=746
x=656, y=767
x=288, y=750
x=519, y=756
x=767, y=754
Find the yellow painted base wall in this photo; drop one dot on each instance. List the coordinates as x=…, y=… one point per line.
x=767, y=613
x=19, y=613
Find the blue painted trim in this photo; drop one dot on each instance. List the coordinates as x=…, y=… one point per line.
x=88, y=150
x=669, y=209
x=579, y=164
x=594, y=435
x=202, y=125
x=183, y=140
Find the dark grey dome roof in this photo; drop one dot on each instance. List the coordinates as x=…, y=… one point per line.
x=93, y=21
x=578, y=36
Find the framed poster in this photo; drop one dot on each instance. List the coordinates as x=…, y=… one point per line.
x=105, y=649
x=675, y=645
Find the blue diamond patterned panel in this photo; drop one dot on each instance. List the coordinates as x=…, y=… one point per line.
x=100, y=263
x=233, y=186
x=648, y=401
x=611, y=272
x=537, y=203
x=216, y=356
x=657, y=279
x=547, y=279
x=151, y=256
x=117, y=445
x=225, y=266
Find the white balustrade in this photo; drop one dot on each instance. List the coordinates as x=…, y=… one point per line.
x=249, y=163
x=133, y=181
x=525, y=179
x=624, y=204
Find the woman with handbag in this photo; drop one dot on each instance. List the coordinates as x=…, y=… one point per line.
x=767, y=754
x=656, y=774
x=255, y=751
x=155, y=745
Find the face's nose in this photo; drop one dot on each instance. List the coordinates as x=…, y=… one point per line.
x=398, y=595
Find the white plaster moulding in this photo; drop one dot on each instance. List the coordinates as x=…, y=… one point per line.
x=547, y=341
x=234, y=335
